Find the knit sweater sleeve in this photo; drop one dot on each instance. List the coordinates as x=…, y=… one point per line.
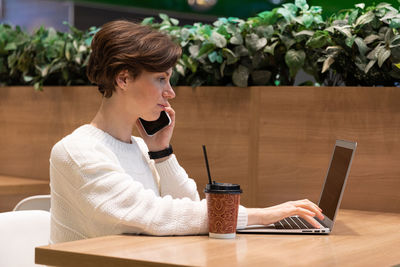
x=89, y=177
x=174, y=180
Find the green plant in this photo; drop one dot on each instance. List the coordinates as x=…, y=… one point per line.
x=358, y=46
x=242, y=53
x=363, y=46
x=46, y=57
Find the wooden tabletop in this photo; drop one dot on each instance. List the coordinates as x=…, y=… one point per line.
x=359, y=238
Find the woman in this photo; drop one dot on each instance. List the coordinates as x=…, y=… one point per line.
x=102, y=179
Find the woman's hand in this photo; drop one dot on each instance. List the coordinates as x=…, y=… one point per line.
x=303, y=208
x=161, y=139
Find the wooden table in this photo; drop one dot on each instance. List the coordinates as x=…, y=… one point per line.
x=359, y=238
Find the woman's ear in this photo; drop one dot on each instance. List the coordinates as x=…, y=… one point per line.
x=122, y=78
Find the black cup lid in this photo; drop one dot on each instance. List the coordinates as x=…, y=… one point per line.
x=223, y=188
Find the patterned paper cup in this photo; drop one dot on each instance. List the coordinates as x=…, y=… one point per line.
x=223, y=206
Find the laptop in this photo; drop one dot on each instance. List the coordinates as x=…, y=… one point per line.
x=329, y=202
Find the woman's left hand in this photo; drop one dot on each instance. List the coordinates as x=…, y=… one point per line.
x=161, y=139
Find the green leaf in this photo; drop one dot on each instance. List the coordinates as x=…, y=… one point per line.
x=28, y=78
x=350, y=41
x=397, y=65
x=373, y=55
x=189, y=63
x=164, y=17
x=369, y=66
x=194, y=50
x=362, y=47
x=254, y=42
x=383, y=54
x=218, y=39
x=327, y=63
x=292, y=8
x=43, y=70
x=269, y=17
x=180, y=69
x=365, y=19
x=174, y=21
x=222, y=69
x=286, y=14
x=231, y=58
x=302, y=4
x=236, y=39
x=270, y=49
x=206, y=49
x=316, y=9
x=241, y=51
x=147, y=21
x=395, y=23
x=287, y=41
x=307, y=20
x=10, y=47
x=38, y=86
x=318, y=40
x=361, y=6
x=344, y=30
x=294, y=59
x=304, y=32
x=353, y=16
x=215, y=57
x=240, y=76
x=371, y=38
x=266, y=31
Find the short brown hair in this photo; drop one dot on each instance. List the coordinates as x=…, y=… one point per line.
x=123, y=45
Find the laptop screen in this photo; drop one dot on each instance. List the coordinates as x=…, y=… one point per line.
x=335, y=180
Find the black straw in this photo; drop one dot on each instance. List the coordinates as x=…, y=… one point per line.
x=208, y=168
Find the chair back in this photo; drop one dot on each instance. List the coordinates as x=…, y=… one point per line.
x=38, y=202
x=20, y=233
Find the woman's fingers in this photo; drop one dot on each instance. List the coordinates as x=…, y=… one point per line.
x=312, y=221
x=171, y=113
x=306, y=204
x=304, y=212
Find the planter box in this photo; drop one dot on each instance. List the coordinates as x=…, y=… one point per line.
x=276, y=142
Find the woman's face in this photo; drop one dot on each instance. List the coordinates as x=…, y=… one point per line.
x=149, y=93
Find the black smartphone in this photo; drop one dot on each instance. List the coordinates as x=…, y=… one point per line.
x=151, y=127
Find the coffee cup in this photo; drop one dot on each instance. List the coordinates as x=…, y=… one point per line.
x=223, y=201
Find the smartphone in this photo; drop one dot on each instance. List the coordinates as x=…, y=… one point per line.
x=151, y=127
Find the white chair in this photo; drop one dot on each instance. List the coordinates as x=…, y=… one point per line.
x=38, y=202
x=20, y=233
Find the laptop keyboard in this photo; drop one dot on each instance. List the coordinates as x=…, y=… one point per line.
x=293, y=223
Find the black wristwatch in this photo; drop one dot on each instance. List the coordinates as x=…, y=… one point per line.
x=162, y=153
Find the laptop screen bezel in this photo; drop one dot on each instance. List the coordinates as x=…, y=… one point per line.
x=345, y=144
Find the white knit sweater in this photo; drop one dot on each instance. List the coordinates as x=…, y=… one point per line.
x=102, y=186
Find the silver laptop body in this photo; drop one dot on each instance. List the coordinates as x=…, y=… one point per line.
x=329, y=202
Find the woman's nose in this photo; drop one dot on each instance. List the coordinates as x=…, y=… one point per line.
x=169, y=92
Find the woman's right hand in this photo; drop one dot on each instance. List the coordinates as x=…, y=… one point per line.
x=303, y=208
x=161, y=139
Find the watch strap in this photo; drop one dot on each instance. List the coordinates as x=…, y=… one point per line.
x=162, y=153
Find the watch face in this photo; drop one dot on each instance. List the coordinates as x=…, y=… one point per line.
x=151, y=127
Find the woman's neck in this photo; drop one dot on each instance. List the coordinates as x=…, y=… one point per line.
x=112, y=119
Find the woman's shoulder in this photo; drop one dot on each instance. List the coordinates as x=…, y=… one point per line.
x=79, y=146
